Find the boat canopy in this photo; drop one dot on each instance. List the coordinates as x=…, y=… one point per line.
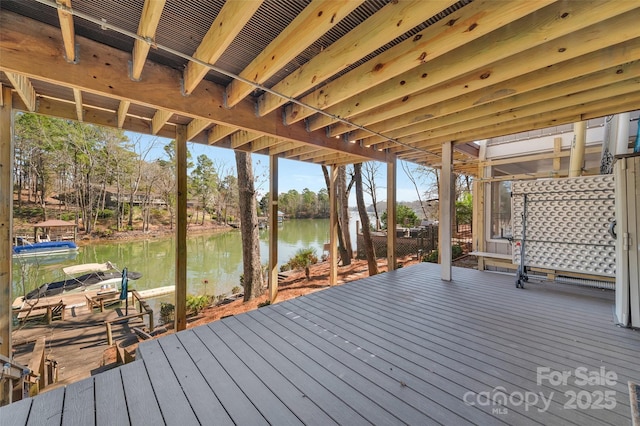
x=88, y=267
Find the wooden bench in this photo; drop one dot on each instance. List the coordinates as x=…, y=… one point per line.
x=99, y=300
x=50, y=311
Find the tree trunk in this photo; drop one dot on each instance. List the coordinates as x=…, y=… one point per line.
x=364, y=218
x=342, y=251
x=252, y=267
x=343, y=214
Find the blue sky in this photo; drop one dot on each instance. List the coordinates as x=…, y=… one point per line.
x=293, y=174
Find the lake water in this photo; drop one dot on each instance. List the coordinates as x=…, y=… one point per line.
x=214, y=261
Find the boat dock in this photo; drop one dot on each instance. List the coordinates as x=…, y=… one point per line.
x=77, y=342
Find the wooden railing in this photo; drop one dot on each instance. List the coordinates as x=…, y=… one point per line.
x=143, y=310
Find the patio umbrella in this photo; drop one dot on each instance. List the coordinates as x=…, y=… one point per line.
x=124, y=290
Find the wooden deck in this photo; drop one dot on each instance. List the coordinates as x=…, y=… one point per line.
x=399, y=348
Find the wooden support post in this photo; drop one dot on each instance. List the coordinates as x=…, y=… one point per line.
x=6, y=218
x=391, y=214
x=333, y=226
x=446, y=211
x=577, y=148
x=557, y=149
x=181, y=229
x=273, y=228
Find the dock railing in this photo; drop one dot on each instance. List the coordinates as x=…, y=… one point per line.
x=143, y=309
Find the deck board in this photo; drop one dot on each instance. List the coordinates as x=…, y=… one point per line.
x=79, y=404
x=402, y=347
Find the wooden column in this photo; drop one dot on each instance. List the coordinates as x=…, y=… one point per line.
x=333, y=226
x=479, y=238
x=273, y=228
x=181, y=229
x=577, y=148
x=446, y=211
x=6, y=218
x=391, y=214
x=557, y=150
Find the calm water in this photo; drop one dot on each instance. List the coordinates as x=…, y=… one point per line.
x=216, y=258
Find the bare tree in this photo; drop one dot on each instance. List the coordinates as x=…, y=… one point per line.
x=252, y=267
x=364, y=217
x=414, y=180
x=345, y=253
x=370, y=172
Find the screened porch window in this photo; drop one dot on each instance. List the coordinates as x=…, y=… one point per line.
x=500, y=209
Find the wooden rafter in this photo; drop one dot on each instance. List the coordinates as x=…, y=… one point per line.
x=397, y=17
x=159, y=119
x=544, y=28
x=196, y=126
x=243, y=137
x=123, y=108
x=314, y=20
x=68, y=32
x=166, y=94
x=468, y=23
x=263, y=143
x=77, y=96
x=607, y=83
x=24, y=88
x=284, y=147
x=232, y=18
x=508, y=78
x=218, y=133
x=151, y=12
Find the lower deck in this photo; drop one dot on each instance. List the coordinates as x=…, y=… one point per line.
x=402, y=347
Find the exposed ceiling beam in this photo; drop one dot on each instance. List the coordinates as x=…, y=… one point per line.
x=159, y=119
x=624, y=103
x=572, y=92
x=68, y=32
x=219, y=132
x=243, y=137
x=233, y=16
x=396, y=17
x=263, y=143
x=468, y=148
x=77, y=96
x=543, y=29
x=25, y=89
x=464, y=25
x=283, y=147
x=309, y=25
x=196, y=126
x=508, y=78
x=123, y=107
x=165, y=94
x=151, y=12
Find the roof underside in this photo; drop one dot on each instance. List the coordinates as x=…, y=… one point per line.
x=325, y=82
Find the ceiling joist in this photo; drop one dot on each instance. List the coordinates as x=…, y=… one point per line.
x=151, y=12
x=25, y=89
x=68, y=31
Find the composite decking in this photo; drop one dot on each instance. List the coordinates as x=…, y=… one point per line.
x=399, y=348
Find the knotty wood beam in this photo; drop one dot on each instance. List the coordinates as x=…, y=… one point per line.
x=464, y=25
x=540, y=29
x=232, y=18
x=24, y=88
x=309, y=25
x=507, y=78
x=151, y=13
x=29, y=47
x=396, y=17
x=67, y=30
